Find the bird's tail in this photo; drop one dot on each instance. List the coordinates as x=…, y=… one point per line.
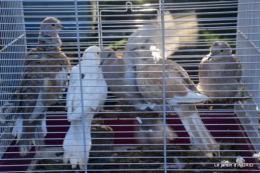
x=68, y=143
x=31, y=134
x=199, y=135
x=73, y=144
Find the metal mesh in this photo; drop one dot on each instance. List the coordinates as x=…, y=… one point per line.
x=247, y=51
x=121, y=137
x=12, y=54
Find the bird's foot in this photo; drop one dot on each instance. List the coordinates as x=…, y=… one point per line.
x=208, y=104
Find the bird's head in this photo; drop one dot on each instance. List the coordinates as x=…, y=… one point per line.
x=50, y=25
x=92, y=54
x=107, y=53
x=137, y=47
x=154, y=56
x=220, y=49
x=107, y=56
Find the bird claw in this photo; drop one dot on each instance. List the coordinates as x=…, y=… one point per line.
x=207, y=102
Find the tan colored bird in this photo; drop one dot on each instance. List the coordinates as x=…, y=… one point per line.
x=180, y=96
x=113, y=68
x=44, y=78
x=179, y=31
x=220, y=73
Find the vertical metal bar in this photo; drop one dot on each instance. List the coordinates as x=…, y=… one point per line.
x=100, y=41
x=164, y=85
x=12, y=54
x=80, y=82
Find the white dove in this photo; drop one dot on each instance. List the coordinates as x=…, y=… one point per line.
x=94, y=94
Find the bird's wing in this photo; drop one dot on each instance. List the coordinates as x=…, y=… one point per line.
x=31, y=89
x=120, y=83
x=73, y=90
x=222, y=73
x=114, y=71
x=179, y=31
x=94, y=94
x=39, y=87
x=238, y=67
x=33, y=54
x=150, y=83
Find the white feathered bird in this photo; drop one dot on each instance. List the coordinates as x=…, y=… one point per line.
x=94, y=94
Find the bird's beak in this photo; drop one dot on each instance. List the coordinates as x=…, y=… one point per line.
x=102, y=61
x=63, y=28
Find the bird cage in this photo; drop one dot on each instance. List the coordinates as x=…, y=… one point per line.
x=12, y=54
x=127, y=127
x=247, y=51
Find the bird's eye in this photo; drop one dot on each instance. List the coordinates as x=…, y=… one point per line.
x=221, y=51
x=53, y=24
x=98, y=53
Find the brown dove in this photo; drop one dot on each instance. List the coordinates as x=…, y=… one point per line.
x=44, y=78
x=180, y=30
x=220, y=73
x=180, y=96
x=113, y=68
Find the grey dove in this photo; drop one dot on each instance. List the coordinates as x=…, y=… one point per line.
x=94, y=93
x=180, y=96
x=220, y=73
x=113, y=68
x=43, y=79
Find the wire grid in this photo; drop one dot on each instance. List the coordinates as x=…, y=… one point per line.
x=12, y=54
x=124, y=151
x=247, y=51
